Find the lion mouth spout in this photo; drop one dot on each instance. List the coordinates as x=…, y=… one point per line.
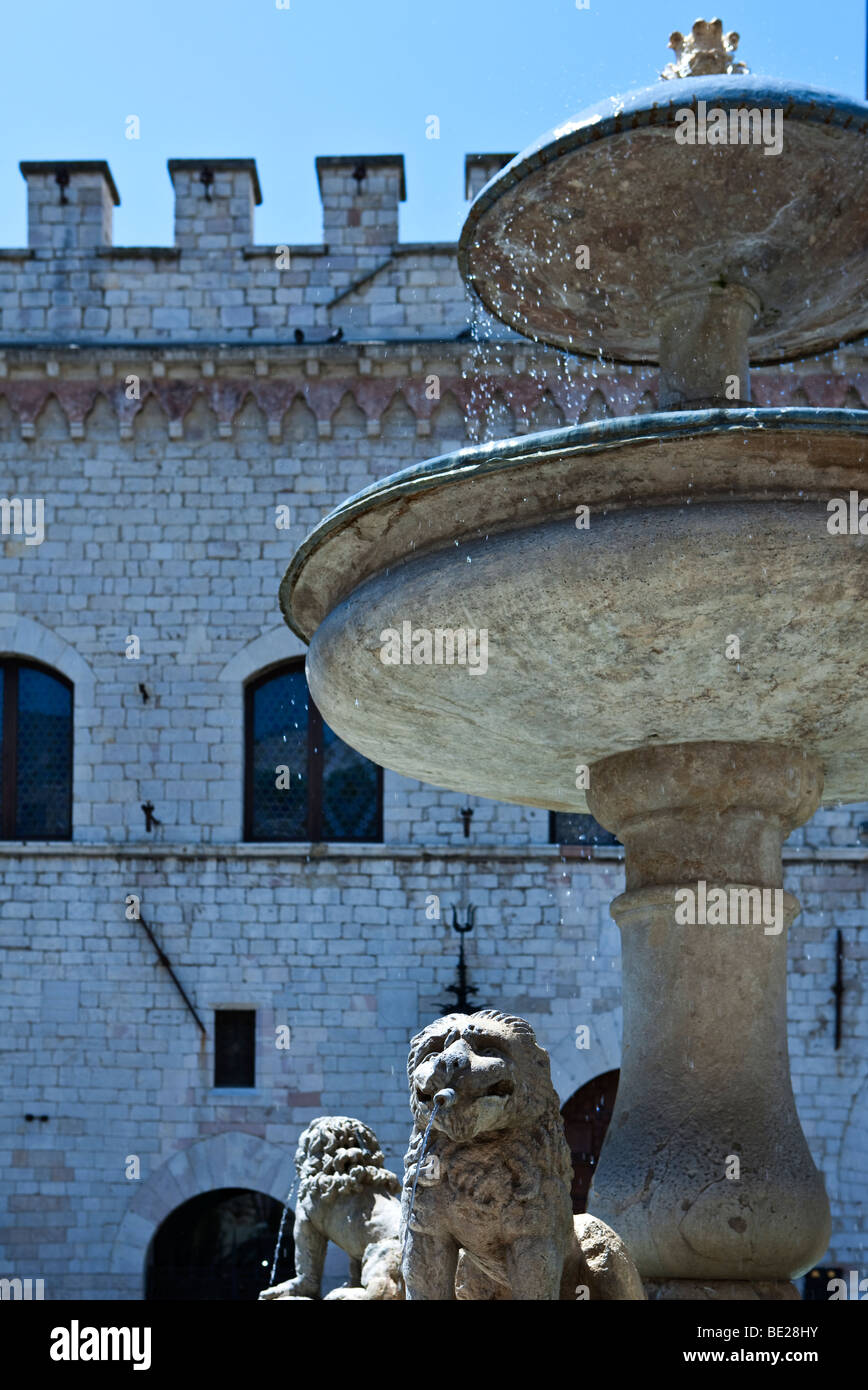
x=445, y=1098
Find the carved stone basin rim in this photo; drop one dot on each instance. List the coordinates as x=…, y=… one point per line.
x=787, y=453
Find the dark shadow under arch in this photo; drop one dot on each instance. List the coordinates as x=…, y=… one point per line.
x=586, y=1118
x=218, y=1246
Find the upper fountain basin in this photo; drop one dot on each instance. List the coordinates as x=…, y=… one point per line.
x=658, y=217
x=702, y=526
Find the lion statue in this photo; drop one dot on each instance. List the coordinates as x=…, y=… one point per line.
x=492, y=1216
x=347, y=1195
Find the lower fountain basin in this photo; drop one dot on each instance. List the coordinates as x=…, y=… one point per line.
x=733, y=615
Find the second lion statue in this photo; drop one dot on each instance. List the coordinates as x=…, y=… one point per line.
x=346, y=1195
x=492, y=1216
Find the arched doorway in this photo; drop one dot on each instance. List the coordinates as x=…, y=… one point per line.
x=586, y=1118
x=218, y=1246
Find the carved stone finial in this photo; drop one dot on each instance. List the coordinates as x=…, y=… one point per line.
x=705, y=50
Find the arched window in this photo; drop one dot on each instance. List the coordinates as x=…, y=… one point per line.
x=301, y=781
x=35, y=752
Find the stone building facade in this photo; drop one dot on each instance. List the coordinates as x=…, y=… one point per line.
x=165, y=403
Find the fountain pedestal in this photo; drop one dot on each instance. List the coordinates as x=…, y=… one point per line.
x=704, y=352
x=610, y=646
x=705, y=1172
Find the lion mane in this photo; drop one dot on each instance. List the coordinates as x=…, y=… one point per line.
x=337, y=1156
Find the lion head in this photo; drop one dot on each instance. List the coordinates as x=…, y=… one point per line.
x=337, y=1156
x=481, y=1072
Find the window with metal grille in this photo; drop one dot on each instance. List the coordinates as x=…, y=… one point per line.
x=235, y=1047
x=35, y=752
x=302, y=782
x=568, y=828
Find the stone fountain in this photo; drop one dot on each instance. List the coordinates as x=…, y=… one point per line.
x=665, y=605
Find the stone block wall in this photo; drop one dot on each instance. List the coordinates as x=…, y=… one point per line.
x=342, y=950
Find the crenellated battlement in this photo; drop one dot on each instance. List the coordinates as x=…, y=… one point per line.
x=69, y=206
x=215, y=284
x=310, y=307
x=214, y=202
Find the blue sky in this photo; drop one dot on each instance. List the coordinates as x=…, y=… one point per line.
x=242, y=77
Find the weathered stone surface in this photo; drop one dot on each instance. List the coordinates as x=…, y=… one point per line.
x=495, y=1178
x=705, y=1169
x=721, y=1291
x=608, y=465
x=658, y=213
x=715, y=810
x=704, y=353
x=604, y=640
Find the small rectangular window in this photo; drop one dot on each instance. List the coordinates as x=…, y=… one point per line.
x=235, y=1047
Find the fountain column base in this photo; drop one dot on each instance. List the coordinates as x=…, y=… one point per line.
x=720, y=1291
x=705, y=1172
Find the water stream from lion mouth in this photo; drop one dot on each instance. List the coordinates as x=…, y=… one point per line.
x=442, y=1100
x=280, y=1233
